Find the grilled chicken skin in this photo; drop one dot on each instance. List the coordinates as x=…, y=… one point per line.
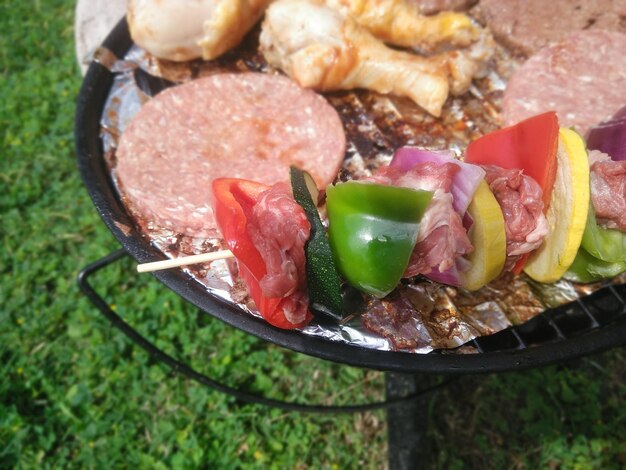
x=181, y=30
x=400, y=23
x=321, y=48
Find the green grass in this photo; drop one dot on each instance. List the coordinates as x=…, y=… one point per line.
x=75, y=393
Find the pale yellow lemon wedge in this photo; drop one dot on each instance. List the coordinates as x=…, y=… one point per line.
x=567, y=213
x=488, y=237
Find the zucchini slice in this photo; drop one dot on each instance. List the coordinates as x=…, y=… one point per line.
x=323, y=281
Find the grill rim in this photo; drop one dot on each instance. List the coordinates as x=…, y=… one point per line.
x=96, y=178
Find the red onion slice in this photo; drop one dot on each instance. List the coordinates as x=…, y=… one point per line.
x=464, y=182
x=610, y=136
x=449, y=277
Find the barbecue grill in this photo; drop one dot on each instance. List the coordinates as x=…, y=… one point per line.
x=591, y=324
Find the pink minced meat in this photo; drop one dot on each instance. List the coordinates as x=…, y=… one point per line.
x=582, y=78
x=442, y=237
x=526, y=26
x=519, y=197
x=237, y=125
x=279, y=229
x=608, y=190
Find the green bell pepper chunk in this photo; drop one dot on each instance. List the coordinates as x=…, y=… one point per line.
x=605, y=244
x=588, y=268
x=372, y=231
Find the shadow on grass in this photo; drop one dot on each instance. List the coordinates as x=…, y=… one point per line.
x=567, y=416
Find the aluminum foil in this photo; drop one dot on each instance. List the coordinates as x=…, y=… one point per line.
x=419, y=316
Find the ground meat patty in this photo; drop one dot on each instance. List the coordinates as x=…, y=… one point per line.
x=582, y=78
x=526, y=26
x=251, y=126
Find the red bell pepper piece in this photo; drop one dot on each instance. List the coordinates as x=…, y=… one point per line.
x=530, y=145
x=234, y=200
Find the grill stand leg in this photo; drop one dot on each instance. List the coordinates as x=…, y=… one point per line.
x=103, y=306
x=406, y=422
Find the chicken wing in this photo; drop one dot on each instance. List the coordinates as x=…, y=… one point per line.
x=470, y=62
x=182, y=30
x=321, y=48
x=400, y=23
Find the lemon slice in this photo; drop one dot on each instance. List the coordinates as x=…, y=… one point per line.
x=488, y=238
x=567, y=213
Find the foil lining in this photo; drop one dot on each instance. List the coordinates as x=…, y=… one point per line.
x=419, y=316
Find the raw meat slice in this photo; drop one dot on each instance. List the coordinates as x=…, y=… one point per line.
x=519, y=197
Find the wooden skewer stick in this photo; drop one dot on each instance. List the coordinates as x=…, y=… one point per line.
x=184, y=261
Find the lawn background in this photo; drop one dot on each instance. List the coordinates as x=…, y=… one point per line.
x=75, y=393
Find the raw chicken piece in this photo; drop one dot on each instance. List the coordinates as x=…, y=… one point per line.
x=399, y=22
x=430, y=7
x=322, y=49
x=470, y=62
x=183, y=30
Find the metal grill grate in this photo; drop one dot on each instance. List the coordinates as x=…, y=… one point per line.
x=594, y=311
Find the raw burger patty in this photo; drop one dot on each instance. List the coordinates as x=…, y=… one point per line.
x=582, y=78
x=251, y=126
x=525, y=26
